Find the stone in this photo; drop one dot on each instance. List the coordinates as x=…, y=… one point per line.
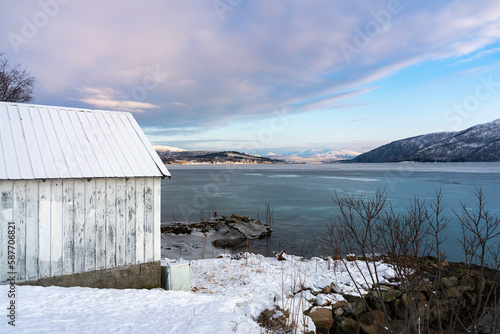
x=449, y=282
x=228, y=238
x=355, y=305
x=454, y=292
x=398, y=326
x=327, y=289
x=265, y=317
x=441, y=310
x=273, y=318
x=322, y=318
x=335, y=300
x=307, y=295
x=404, y=299
x=467, y=284
x=339, y=303
x=400, y=309
x=347, y=326
x=226, y=232
x=388, y=295
x=338, y=311
x=323, y=300
x=374, y=322
x=420, y=296
x=425, y=285
x=471, y=298
x=487, y=321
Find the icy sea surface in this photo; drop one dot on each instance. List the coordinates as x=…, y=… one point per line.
x=300, y=195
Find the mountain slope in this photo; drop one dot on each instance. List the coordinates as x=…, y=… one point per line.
x=183, y=156
x=160, y=148
x=475, y=144
x=315, y=156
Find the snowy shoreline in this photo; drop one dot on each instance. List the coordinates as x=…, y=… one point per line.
x=242, y=292
x=227, y=296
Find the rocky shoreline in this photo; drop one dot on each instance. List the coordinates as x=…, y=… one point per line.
x=439, y=291
x=221, y=232
x=389, y=305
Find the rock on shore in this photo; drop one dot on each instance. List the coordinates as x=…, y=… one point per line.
x=333, y=309
x=193, y=240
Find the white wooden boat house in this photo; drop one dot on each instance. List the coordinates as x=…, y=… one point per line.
x=79, y=198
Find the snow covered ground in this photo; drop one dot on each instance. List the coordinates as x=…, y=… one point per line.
x=227, y=297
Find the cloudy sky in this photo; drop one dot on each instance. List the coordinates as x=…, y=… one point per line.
x=257, y=75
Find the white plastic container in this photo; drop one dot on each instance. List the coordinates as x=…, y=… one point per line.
x=176, y=276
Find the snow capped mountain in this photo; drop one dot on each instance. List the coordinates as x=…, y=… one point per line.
x=164, y=149
x=475, y=144
x=303, y=156
x=316, y=156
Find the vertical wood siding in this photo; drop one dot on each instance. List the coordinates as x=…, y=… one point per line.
x=100, y=210
x=90, y=226
x=73, y=225
x=56, y=229
x=130, y=225
x=140, y=218
x=20, y=211
x=68, y=227
x=6, y=215
x=79, y=226
x=148, y=221
x=110, y=233
x=121, y=224
x=31, y=241
x=156, y=219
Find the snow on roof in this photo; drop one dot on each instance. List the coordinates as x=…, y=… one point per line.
x=44, y=142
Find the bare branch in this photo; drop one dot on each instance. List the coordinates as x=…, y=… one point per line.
x=16, y=83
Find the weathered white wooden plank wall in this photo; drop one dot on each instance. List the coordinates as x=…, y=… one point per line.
x=110, y=223
x=100, y=209
x=6, y=216
x=130, y=223
x=56, y=229
x=79, y=226
x=44, y=221
x=120, y=221
x=157, y=219
x=148, y=207
x=141, y=218
x=90, y=226
x=32, y=243
x=70, y=226
x=20, y=212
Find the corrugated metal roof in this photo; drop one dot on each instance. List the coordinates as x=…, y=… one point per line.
x=43, y=142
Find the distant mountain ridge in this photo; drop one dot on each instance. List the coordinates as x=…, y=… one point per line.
x=160, y=148
x=178, y=155
x=479, y=143
x=174, y=155
x=316, y=156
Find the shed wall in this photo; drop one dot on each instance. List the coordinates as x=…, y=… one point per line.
x=70, y=226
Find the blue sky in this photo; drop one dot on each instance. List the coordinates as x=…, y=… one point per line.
x=265, y=75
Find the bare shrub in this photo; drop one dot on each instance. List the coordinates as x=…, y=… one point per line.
x=412, y=242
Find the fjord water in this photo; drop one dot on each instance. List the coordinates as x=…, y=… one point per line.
x=300, y=195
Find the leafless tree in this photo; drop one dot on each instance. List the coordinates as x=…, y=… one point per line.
x=16, y=83
x=412, y=242
x=481, y=245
